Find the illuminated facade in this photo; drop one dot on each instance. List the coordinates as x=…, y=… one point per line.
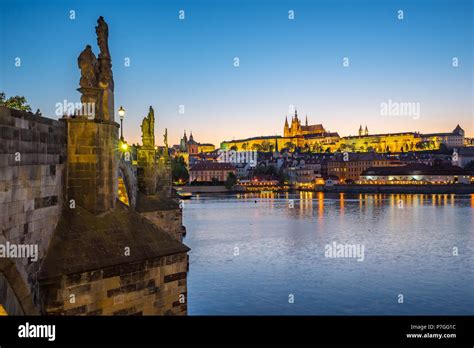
x=451, y=140
x=350, y=167
x=416, y=174
x=189, y=148
x=315, y=138
x=390, y=142
x=297, y=129
x=207, y=171
x=310, y=137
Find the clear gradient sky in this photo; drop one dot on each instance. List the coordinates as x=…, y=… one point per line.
x=282, y=62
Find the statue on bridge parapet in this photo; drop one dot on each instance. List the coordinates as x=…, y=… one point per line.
x=165, y=141
x=148, y=129
x=97, y=82
x=106, y=79
x=87, y=62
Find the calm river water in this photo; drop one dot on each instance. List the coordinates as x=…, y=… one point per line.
x=257, y=255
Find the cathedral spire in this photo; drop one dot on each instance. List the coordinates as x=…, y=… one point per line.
x=306, y=122
x=286, y=128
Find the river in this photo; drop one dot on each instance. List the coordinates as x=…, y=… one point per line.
x=268, y=254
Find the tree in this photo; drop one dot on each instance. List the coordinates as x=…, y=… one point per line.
x=289, y=145
x=266, y=146
x=421, y=145
x=444, y=149
x=178, y=169
x=283, y=176
x=17, y=102
x=231, y=180
x=256, y=147
x=245, y=146
x=234, y=147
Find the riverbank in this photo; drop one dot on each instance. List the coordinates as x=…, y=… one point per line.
x=424, y=189
x=205, y=189
x=407, y=189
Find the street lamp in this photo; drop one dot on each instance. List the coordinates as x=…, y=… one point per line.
x=121, y=112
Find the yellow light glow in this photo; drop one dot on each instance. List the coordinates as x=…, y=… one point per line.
x=124, y=146
x=3, y=312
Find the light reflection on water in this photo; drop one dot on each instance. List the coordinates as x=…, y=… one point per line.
x=408, y=240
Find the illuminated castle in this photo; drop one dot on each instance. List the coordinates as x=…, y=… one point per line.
x=297, y=129
x=316, y=138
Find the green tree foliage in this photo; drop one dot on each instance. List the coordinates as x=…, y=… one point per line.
x=178, y=169
x=264, y=170
x=444, y=149
x=231, y=180
x=17, y=102
x=266, y=146
x=289, y=145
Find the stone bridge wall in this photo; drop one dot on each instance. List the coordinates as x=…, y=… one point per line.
x=32, y=171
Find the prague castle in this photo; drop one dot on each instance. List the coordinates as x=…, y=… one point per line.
x=297, y=129
x=317, y=139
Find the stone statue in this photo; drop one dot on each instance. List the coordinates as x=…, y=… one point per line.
x=87, y=62
x=165, y=138
x=97, y=82
x=148, y=129
x=106, y=79
x=165, y=141
x=102, y=31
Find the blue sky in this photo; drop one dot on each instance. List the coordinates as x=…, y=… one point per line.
x=282, y=62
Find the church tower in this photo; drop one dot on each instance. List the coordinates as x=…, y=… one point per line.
x=286, y=128
x=366, y=131
x=183, y=145
x=360, y=131
x=296, y=125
